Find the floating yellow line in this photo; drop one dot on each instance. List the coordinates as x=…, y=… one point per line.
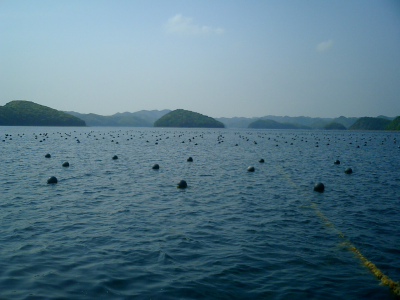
x=393, y=286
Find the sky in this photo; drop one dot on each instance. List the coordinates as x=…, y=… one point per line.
x=315, y=58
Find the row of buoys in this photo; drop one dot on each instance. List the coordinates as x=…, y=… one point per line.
x=318, y=187
x=53, y=179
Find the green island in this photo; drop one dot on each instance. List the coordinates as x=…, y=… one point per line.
x=334, y=126
x=27, y=113
x=368, y=123
x=185, y=118
x=271, y=124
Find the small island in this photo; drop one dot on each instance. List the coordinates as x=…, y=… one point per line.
x=185, y=118
x=368, y=123
x=27, y=113
x=334, y=126
x=271, y=124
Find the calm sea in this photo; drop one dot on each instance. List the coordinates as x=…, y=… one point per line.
x=117, y=229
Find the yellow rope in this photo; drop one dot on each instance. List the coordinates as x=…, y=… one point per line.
x=393, y=286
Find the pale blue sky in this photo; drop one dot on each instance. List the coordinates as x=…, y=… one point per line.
x=219, y=58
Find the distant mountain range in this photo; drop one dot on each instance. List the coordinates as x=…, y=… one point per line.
x=313, y=123
x=271, y=124
x=143, y=118
x=147, y=118
x=26, y=113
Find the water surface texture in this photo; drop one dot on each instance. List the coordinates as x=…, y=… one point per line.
x=117, y=229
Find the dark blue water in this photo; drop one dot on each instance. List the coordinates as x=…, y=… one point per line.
x=117, y=229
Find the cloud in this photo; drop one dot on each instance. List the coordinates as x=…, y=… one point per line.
x=324, y=46
x=179, y=24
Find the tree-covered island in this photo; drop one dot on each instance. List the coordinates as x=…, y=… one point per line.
x=185, y=118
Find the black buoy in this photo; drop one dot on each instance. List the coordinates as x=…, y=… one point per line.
x=47, y=155
x=65, y=164
x=319, y=187
x=115, y=157
x=189, y=159
x=250, y=169
x=337, y=162
x=52, y=179
x=348, y=171
x=181, y=184
x=155, y=167
x=261, y=160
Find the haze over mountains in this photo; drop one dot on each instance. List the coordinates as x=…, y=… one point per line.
x=27, y=113
x=146, y=118
x=143, y=118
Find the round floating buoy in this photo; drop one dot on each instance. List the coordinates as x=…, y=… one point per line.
x=115, y=157
x=250, y=169
x=189, y=159
x=181, y=184
x=319, y=187
x=348, y=171
x=261, y=160
x=155, y=167
x=52, y=179
x=337, y=162
x=47, y=155
x=65, y=164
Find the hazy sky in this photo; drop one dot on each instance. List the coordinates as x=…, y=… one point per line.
x=219, y=58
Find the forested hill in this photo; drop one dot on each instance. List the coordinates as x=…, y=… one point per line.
x=367, y=123
x=185, y=118
x=394, y=125
x=27, y=113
